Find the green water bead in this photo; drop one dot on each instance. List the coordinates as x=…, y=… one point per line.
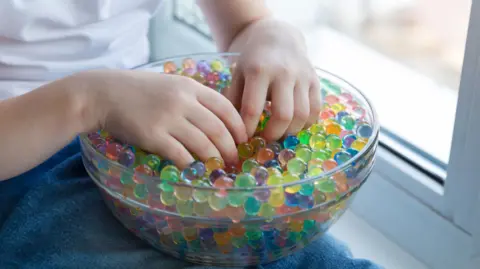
x=252, y=206
x=236, y=198
x=304, y=137
x=290, y=178
x=314, y=163
x=248, y=165
x=152, y=161
x=170, y=173
x=333, y=142
x=267, y=211
x=126, y=178
x=275, y=179
x=177, y=238
x=305, y=154
x=217, y=203
x=326, y=186
x=348, y=122
x=245, y=180
x=317, y=141
x=167, y=198
x=296, y=166
x=253, y=234
x=317, y=128
x=202, y=209
x=319, y=198
x=307, y=189
x=184, y=208
x=140, y=191
x=308, y=225
x=200, y=195
x=330, y=86
x=314, y=171
x=322, y=154
x=239, y=242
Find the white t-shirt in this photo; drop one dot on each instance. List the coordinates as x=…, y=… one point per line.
x=43, y=40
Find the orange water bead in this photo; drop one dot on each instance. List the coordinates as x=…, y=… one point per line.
x=237, y=230
x=327, y=114
x=329, y=165
x=333, y=128
x=257, y=143
x=264, y=155
x=222, y=239
x=296, y=225
x=169, y=67
x=245, y=150
x=340, y=177
x=188, y=63
x=190, y=233
x=236, y=214
x=342, y=187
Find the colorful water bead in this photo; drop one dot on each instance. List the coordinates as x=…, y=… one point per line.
x=348, y=140
x=290, y=142
x=261, y=174
x=347, y=122
x=126, y=158
x=285, y=156
x=252, y=206
x=214, y=163
x=296, y=166
x=333, y=128
x=333, y=142
x=257, y=143
x=342, y=157
x=113, y=151
x=358, y=144
x=277, y=197
x=169, y=67
x=215, y=175
x=264, y=155
x=153, y=161
x=188, y=174
x=245, y=150
x=216, y=65
x=169, y=173
x=275, y=147
x=304, y=136
x=317, y=141
x=317, y=128
x=322, y=154
x=364, y=130
x=305, y=154
x=275, y=179
x=248, y=165
x=291, y=178
x=244, y=180
x=199, y=168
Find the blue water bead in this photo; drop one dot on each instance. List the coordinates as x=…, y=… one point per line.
x=340, y=115
x=271, y=163
x=224, y=76
x=292, y=199
x=126, y=158
x=342, y=157
x=306, y=202
x=199, y=167
x=348, y=140
x=291, y=142
x=188, y=174
x=205, y=233
x=352, y=152
x=232, y=176
x=364, y=130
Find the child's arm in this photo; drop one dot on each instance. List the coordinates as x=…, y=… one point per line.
x=166, y=114
x=273, y=65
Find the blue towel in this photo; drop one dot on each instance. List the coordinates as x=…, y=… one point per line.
x=53, y=217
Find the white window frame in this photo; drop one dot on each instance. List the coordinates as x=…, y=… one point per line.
x=434, y=223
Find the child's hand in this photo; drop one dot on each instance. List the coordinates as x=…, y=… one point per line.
x=273, y=65
x=169, y=115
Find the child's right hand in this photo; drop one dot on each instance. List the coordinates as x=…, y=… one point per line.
x=167, y=114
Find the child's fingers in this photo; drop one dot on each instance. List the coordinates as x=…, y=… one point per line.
x=216, y=131
x=282, y=109
x=170, y=148
x=301, y=110
x=235, y=91
x=315, y=96
x=195, y=140
x=253, y=100
x=224, y=110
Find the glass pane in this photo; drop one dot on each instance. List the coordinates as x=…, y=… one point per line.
x=405, y=55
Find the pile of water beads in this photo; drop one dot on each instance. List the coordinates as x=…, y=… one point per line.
x=280, y=196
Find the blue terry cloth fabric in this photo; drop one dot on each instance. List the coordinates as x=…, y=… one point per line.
x=53, y=217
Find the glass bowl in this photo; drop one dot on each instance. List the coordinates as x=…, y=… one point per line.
x=239, y=226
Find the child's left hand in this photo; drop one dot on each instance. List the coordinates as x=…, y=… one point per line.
x=273, y=65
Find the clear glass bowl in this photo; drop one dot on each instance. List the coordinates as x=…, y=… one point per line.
x=237, y=226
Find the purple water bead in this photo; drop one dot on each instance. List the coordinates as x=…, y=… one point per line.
x=292, y=199
x=306, y=202
x=199, y=167
x=261, y=174
x=203, y=67
x=262, y=195
x=216, y=174
x=126, y=158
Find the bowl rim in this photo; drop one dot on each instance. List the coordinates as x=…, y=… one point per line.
x=325, y=175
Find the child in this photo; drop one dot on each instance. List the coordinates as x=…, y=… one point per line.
x=50, y=215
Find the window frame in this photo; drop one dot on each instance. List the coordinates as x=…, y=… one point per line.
x=428, y=220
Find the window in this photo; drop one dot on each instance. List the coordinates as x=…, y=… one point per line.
x=408, y=57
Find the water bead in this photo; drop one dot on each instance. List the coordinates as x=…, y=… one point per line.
x=329, y=165
x=317, y=128
x=358, y=112
x=245, y=180
x=188, y=63
x=315, y=172
x=215, y=175
x=342, y=157
x=344, y=133
x=346, y=96
x=314, y=163
x=333, y=142
x=126, y=158
x=170, y=173
x=264, y=155
x=237, y=198
x=322, y=154
x=183, y=193
x=257, y=142
x=331, y=99
x=249, y=165
x=276, y=179
x=222, y=184
x=266, y=211
x=290, y=142
x=304, y=136
x=273, y=171
x=358, y=144
x=203, y=67
x=199, y=77
x=296, y=166
x=285, y=156
x=291, y=199
x=277, y=197
x=307, y=189
x=167, y=198
x=262, y=195
x=275, y=147
x=291, y=178
x=252, y=206
x=214, y=163
x=340, y=116
x=304, y=154
x=163, y=164
x=184, y=208
x=126, y=178
x=272, y=163
x=245, y=150
x=335, y=151
x=327, y=114
x=261, y=174
x=348, y=140
x=140, y=191
x=317, y=141
x=169, y=67
x=333, y=128
x=352, y=151
x=153, y=161
x=347, y=122
x=140, y=172
x=188, y=174
x=325, y=186
x=113, y=151
x=217, y=203
x=337, y=107
x=363, y=130
x=216, y=65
